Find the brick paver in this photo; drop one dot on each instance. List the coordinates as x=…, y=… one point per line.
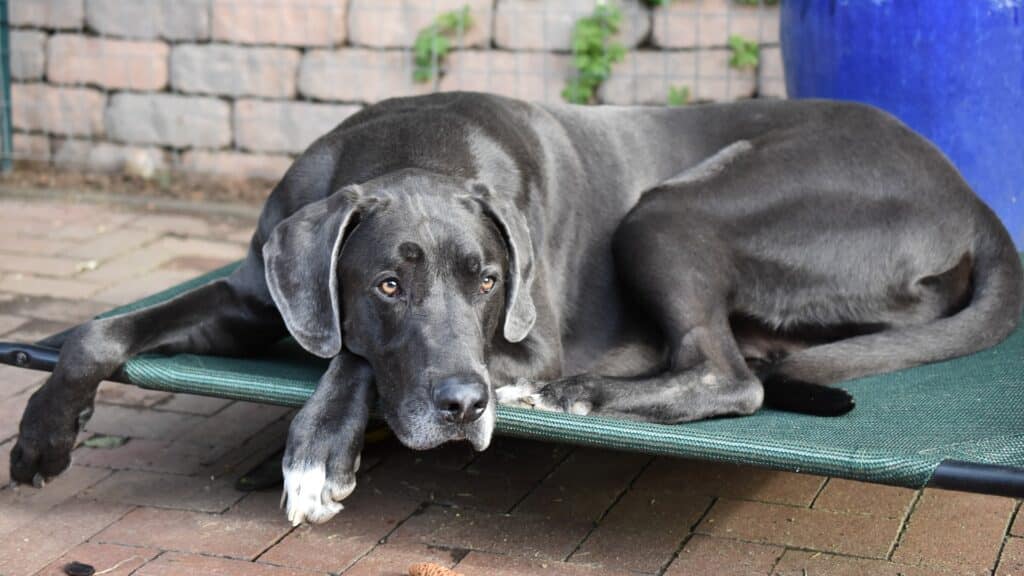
x=804, y=563
x=1011, y=561
x=5, y=462
x=175, y=564
x=134, y=396
x=426, y=483
x=482, y=564
x=166, y=490
x=37, y=543
x=584, y=486
x=841, y=495
x=138, y=423
x=801, y=527
x=521, y=535
x=21, y=283
x=24, y=504
x=14, y=382
x=36, y=330
x=189, y=404
x=235, y=534
x=110, y=559
x=705, y=555
x=955, y=530
x=643, y=530
x=146, y=455
x=163, y=502
x=9, y=323
x=731, y=481
x=395, y=559
x=52, y=309
x=10, y=414
x=368, y=517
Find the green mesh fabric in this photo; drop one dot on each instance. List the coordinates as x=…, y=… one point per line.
x=904, y=424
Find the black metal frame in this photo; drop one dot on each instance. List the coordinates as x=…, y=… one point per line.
x=950, y=474
x=980, y=478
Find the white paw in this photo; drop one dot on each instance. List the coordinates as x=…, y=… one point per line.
x=309, y=496
x=528, y=394
x=519, y=394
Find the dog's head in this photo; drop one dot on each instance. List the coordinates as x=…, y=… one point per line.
x=419, y=274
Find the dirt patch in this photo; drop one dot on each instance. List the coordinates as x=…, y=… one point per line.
x=31, y=175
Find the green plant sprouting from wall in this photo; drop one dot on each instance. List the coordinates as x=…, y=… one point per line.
x=745, y=53
x=678, y=96
x=434, y=42
x=593, y=53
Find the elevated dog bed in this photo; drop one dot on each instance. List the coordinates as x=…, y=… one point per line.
x=957, y=424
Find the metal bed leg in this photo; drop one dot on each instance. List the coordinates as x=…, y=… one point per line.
x=980, y=478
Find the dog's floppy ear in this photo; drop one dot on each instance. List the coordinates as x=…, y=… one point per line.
x=520, y=313
x=301, y=258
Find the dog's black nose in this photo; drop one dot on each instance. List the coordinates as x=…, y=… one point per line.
x=460, y=399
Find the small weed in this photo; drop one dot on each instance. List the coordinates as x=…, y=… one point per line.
x=678, y=96
x=105, y=442
x=745, y=53
x=434, y=42
x=593, y=53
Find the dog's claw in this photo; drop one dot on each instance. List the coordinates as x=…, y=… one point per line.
x=38, y=481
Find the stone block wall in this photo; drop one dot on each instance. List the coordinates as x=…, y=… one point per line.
x=240, y=87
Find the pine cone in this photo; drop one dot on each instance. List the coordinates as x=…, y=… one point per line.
x=430, y=569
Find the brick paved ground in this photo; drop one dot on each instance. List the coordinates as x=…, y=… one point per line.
x=163, y=503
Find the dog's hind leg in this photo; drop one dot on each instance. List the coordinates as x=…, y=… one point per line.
x=679, y=270
x=228, y=316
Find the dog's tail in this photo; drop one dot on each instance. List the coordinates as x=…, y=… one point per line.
x=992, y=314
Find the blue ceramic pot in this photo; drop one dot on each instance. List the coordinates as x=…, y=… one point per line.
x=951, y=69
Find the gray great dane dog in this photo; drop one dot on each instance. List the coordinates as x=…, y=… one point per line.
x=452, y=251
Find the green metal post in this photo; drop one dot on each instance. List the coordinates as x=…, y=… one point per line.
x=6, y=137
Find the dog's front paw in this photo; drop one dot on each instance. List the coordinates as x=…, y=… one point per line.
x=559, y=396
x=518, y=394
x=44, y=445
x=311, y=496
x=35, y=463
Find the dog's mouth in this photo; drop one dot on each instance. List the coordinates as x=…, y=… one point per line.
x=423, y=430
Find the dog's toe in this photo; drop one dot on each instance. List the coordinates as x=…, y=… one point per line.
x=309, y=496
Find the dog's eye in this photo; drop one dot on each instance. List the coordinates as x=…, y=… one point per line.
x=389, y=287
x=487, y=284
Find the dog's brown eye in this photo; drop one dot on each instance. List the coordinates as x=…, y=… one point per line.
x=487, y=284
x=388, y=287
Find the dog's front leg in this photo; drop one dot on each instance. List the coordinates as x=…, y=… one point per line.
x=324, y=441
